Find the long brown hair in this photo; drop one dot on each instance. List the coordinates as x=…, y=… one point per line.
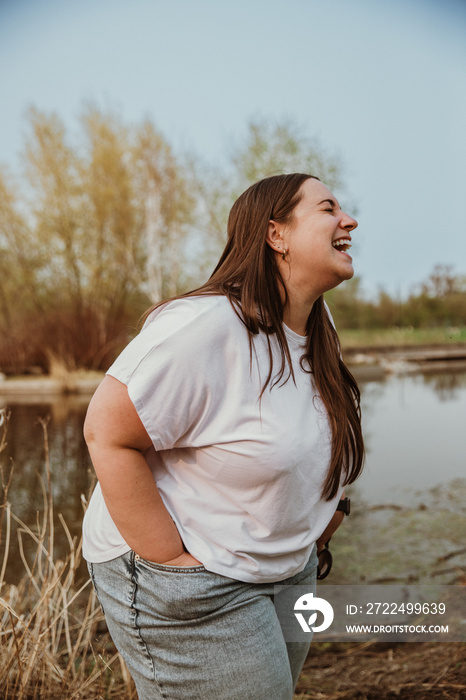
x=248, y=275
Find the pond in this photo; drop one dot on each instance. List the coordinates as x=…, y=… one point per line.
x=415, y=435
x=414, y=427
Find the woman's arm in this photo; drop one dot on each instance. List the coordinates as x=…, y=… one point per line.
x=332, y=527
x=116, y=439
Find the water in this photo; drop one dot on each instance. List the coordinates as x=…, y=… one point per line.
x=414, y=427
x=71, y=471
x=415, y=435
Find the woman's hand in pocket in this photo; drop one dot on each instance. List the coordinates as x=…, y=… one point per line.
x=184, y=559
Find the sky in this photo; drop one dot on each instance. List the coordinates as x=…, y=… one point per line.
x=380, y=85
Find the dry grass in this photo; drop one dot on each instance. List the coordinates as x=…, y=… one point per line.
x=49, y=621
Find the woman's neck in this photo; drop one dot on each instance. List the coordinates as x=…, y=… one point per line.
x=296, y=318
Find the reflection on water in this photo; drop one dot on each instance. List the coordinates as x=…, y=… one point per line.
x=447, y=386
x=415, y=432
x=414, y=426
x=69, y=462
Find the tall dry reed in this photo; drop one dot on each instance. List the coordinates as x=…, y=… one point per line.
x=53, y=640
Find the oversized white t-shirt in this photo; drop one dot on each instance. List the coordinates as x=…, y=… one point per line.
x=241, y=477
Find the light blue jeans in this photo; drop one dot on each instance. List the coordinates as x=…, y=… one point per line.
x=189, y=634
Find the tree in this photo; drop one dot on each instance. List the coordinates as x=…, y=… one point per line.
x=102, y=234
x=167, y=205
x=441, y=300
x=271, y=149
x=20, y=262
x=347, y=304
x=57, y=213
x=113, y=221
x=267, y=149
x=442, y=282
x=19, y=258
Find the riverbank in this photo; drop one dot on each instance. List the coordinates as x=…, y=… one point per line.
x=420, y=543
x=375, y=671
x=367, y=362
x=372, y=362
x=70, y=383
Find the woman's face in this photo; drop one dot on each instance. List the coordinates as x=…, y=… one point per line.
x=316, y=241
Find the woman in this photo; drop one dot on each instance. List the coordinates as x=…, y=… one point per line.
x=222, y=438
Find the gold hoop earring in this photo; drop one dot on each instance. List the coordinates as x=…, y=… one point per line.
x=284, y=252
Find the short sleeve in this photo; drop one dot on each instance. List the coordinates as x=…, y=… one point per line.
x=173, y=369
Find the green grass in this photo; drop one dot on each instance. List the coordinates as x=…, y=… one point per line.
x=379, y=337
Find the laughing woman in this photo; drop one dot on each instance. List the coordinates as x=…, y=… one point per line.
x=222, y=438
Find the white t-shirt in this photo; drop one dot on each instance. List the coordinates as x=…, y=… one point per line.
x=241, y=478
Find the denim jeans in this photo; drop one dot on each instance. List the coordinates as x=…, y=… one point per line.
x=189, y=634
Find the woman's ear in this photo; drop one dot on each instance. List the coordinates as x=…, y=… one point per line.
x=274, y=237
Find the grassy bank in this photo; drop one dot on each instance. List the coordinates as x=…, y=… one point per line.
x=383, y=337
x=62, y=380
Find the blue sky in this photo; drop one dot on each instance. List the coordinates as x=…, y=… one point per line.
x=380, y=84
